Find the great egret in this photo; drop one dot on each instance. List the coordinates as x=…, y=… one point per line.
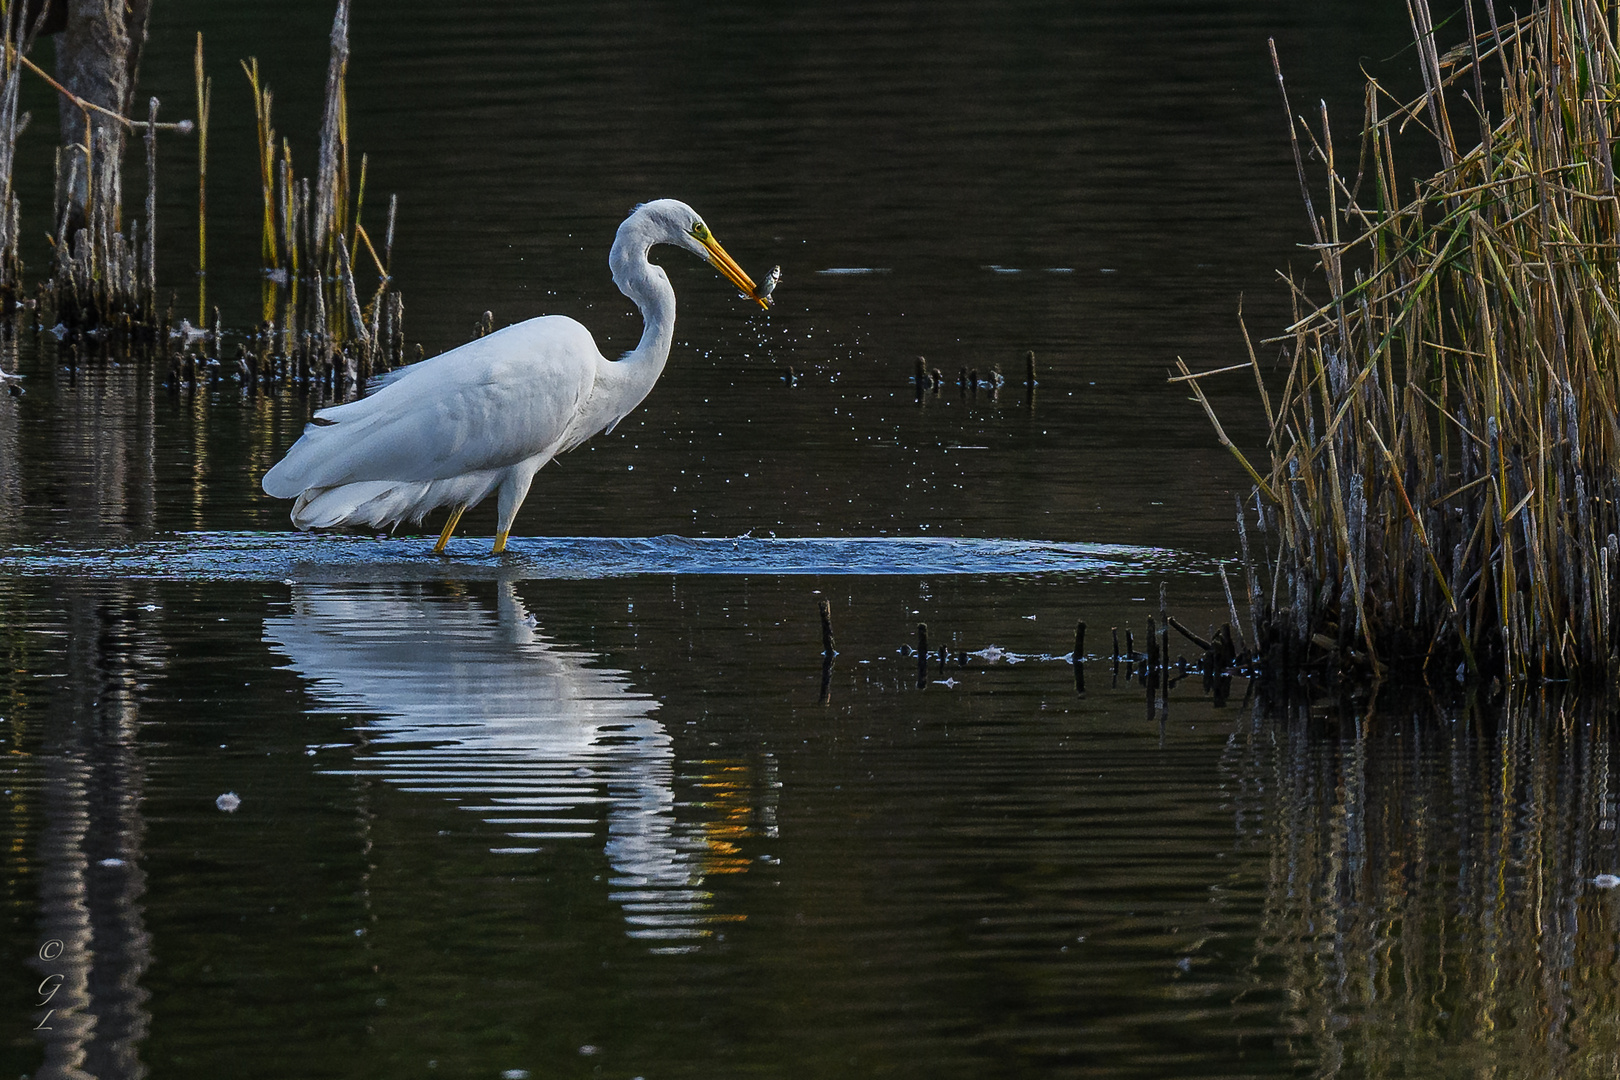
x=484, y=417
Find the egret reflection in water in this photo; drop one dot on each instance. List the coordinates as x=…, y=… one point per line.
x=477, y=707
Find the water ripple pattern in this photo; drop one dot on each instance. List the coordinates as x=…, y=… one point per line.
x=254, y=556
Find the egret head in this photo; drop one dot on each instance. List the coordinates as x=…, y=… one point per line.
x=673, y=222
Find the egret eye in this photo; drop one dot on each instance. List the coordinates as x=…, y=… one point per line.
x=701, y=231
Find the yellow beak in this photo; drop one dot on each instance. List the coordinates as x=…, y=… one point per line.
x=734, y=273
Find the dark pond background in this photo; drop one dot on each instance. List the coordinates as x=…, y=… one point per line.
x=595, y=809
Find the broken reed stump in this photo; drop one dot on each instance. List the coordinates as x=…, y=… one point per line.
x=1157, y=673
x=1164, y=655
x=1078, y=656
x=1438, y=492
x=922, y=655
x=1163, y=642
x=1155, y=669
x=828, y=651
x=926, y=379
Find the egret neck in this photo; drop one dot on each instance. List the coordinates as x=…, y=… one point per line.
x=630, y=378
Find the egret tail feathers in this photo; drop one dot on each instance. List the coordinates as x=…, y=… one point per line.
x=323, y=457
x=379, y=503
x=386, y=503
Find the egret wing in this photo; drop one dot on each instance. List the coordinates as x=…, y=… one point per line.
x=489, y=404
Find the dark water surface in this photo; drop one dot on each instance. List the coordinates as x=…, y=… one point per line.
x=598, y=808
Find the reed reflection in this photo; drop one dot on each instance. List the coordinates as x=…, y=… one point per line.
x=477, y=707
x=11, y=499
x=93, y=948
x=1434, y=898
x=99, y=458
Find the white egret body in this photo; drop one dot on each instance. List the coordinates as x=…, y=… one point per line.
x=483, y=418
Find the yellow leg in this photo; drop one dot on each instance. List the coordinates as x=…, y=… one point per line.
x=449, y=527
x=500, y=543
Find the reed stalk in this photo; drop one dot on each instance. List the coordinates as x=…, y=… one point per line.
x=205, y=99
x=1440, y=485
x=17, y=40
x=262, y=101
x=151, y=206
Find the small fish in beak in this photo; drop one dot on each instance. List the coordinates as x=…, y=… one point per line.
x=766, y=287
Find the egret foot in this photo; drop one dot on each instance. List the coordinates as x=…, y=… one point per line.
x=500, y=543
x=449, y=527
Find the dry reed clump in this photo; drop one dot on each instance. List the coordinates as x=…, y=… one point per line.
x=318, y=330
x=1442, y=489
x=103, y=276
